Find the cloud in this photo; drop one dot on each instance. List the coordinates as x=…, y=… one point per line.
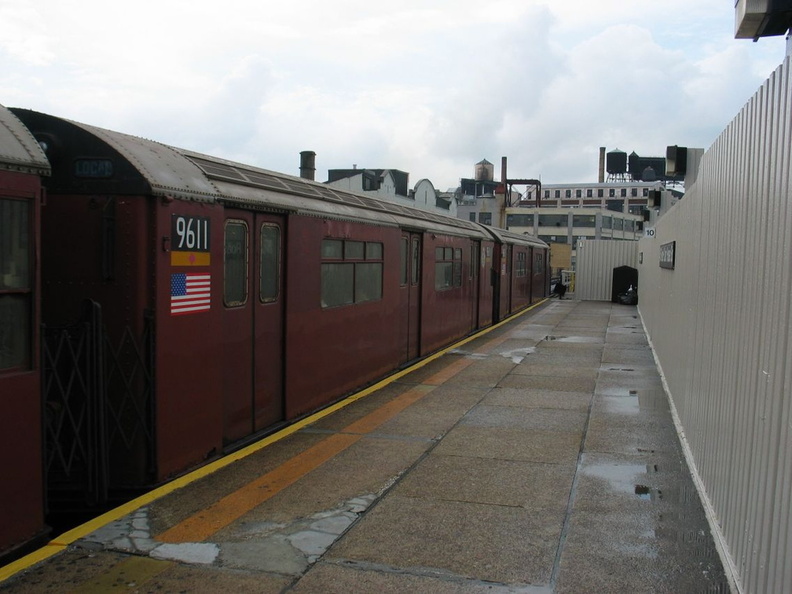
x=427, y=87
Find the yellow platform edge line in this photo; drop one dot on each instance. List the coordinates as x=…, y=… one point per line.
x=60, y=542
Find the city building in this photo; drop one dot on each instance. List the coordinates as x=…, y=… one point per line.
x=393, y=185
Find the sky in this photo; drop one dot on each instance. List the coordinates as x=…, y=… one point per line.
x=430, y=87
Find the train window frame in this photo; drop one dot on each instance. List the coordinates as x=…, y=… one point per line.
x=448, y=268
x=355, y=277
x=16, y=285
x=273, y=265
x=231, y=302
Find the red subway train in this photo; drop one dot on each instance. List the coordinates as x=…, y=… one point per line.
x=190, y=304
x=22, y=165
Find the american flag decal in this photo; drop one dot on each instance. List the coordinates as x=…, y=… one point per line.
x=190, y=293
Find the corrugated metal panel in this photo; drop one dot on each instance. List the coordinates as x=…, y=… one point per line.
x=20, y=149
x=594, y=266
x=720, y=323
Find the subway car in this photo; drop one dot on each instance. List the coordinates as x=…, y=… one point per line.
x=22, y=165
x=213, y=302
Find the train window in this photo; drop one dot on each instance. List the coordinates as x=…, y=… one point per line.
x=368, y=281
x=269, y=269
x=236, y=263
x=474, y=261
x=522, y=264
x=403, y=249
x=15, y=289
x=354, y=250
x=373, y=251
x=416, y=261
x=448, y=268
x=539, y=264
x=333, y=249
x=354, y=279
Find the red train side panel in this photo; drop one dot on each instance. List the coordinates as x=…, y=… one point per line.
x=21, y=498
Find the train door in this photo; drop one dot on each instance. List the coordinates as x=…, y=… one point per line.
x=252, y=323
x=410, y=291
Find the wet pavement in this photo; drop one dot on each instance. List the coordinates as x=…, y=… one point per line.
x=539, y=457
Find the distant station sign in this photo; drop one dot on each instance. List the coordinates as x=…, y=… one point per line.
x=668, y=255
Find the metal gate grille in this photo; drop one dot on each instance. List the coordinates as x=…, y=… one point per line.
x=98, y=412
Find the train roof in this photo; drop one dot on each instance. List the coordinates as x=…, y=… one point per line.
x=150, y=167
x=19, y=151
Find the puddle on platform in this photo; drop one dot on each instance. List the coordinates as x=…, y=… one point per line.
x=623, y=478
x=468, y=354
x=576, y=339
x=518, y=355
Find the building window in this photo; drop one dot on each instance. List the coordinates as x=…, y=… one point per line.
x=547, y=194
x=589, y=193
x=568, y=193
x=624, y=192
x=351, y=272
x=235, y=249
x=448, y=268
x=485, y=218
x=584, y=220
x=634, y=192
x=15, y=284
x=645, y=192
x=578, y=193
x=519, y=220
x=612, y=192
x=553, y=220
x=600, y=193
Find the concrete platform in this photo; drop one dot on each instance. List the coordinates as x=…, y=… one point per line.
x=539, y=457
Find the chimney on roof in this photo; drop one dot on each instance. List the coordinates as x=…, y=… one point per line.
x=602, y=165
x=308, y=165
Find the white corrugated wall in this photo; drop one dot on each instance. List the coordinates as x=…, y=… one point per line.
x=594, y=266
x=720, y=326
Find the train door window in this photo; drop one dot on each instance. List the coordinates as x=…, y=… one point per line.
x=15, y=284
x=539, y=264
x=474, y=261
x=404, y=248
x=522, y=264
x=269, y=273
x=416, y=261
x=236, y=263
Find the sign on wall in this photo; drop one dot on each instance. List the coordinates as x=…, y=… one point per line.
x=668, y=255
